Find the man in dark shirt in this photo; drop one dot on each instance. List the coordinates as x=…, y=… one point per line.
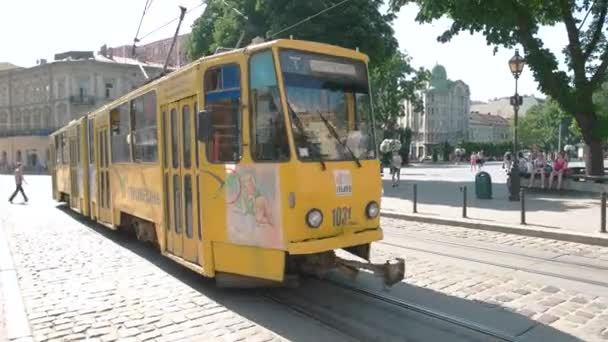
x=18, y=181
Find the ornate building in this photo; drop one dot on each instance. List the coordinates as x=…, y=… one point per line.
x=445, y=114
x=35, y=101
x=488, y=128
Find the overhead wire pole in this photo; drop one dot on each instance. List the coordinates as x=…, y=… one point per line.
x=181, y=18
x=136, y=40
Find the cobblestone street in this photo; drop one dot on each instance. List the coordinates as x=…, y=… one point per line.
x=579, y=312
x=81, y=281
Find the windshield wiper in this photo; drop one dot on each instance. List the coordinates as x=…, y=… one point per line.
x=300, y=127
x=333, y=132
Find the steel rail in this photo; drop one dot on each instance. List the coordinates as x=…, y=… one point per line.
x=428, y=312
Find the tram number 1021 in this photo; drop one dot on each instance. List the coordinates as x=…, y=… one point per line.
x=341, y=216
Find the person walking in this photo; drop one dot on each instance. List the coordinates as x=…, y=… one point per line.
x=18, y=182
x=396, y=168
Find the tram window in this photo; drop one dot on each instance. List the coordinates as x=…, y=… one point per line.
x=143, y=125
x=65, y=153
x=119, y=118
x=165, y=129
x=78, y=144
x=177, y=204
x=267, y=124
x=174, y=137
x=223, y=99
x=188, y=203
x=57, y=150
x=195, y=130
x=91, y=136
x=187, y=142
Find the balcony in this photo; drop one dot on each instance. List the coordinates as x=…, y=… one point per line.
x=82, y=100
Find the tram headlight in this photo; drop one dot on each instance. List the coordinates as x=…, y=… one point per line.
x=314, y=218
x=372, y=210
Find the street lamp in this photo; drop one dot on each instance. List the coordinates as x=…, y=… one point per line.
x=516, y=64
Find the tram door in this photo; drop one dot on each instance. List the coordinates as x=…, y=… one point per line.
x=181, y=201
x=103, y=175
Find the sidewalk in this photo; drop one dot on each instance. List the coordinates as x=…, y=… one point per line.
x=440, y=198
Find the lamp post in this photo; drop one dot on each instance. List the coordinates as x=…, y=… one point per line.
x=516, y=64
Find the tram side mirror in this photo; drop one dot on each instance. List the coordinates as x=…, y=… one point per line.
x=204, y=125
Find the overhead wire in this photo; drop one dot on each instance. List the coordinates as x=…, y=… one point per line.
x=309, y=18
x=146, y=7
x=170, y=22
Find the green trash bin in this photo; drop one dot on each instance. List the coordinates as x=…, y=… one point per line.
x=483, y=185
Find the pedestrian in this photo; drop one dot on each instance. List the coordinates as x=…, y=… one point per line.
x=18, y=182
x=396, y=168
x=473, y=161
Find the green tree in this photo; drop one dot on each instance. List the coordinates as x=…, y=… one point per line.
x=393, y=82
x=542, y=123
x=358, y=24
x=509, y=22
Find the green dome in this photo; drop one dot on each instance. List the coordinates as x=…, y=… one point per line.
x=439, y=78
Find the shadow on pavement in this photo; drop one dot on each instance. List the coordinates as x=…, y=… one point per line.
x=445, y=193
x=237, y=300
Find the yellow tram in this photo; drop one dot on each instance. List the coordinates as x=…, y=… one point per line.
x=248, y=165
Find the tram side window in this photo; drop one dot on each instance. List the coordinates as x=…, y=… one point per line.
x=143, y=124
x=119, y=117
x=65, y=155
x=223, y=101
x=57, y=150
x=268, y=132
x=91, y=135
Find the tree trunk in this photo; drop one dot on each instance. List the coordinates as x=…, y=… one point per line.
x=594, y=160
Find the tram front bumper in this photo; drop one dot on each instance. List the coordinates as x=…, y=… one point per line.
x=335, y=242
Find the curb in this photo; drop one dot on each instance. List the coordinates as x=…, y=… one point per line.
x=584, y=238
x=17, y=324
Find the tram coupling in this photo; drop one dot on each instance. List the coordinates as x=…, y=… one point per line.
x=392, y=271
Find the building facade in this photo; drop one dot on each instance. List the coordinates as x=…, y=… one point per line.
x=156, y=52
x=502, y=106
x=444, y=117
x=488, y=128
x=36, y=101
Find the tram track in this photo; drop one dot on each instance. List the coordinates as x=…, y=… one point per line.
x=499, y=264
x=498, y=251
x=354, y=325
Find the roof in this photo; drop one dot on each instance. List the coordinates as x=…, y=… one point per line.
x=7, y=66
x=487, y=119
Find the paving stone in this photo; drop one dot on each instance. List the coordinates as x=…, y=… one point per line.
x=547, y=319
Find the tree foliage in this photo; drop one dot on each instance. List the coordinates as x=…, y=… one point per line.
x=541, y=126
x=356, y=24
x=392, y=82
x=509, y=22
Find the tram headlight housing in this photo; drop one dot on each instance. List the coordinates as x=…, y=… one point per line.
x=314, y=218
x=372, y=210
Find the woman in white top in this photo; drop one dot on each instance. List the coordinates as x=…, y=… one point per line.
x=538, y=166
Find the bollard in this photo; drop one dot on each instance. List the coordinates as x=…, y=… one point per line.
x=603, y=227
x=523, y=205
x=464, y=201
x=415, y=209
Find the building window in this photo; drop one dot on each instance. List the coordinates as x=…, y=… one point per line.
x=223, y=99
x=109, y=90
x=18, y=156
x=83, y=88
x=268, y=132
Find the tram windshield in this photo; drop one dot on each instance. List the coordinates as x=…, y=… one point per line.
x=329, y=106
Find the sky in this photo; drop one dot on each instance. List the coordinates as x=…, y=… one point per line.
x=30, y=30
